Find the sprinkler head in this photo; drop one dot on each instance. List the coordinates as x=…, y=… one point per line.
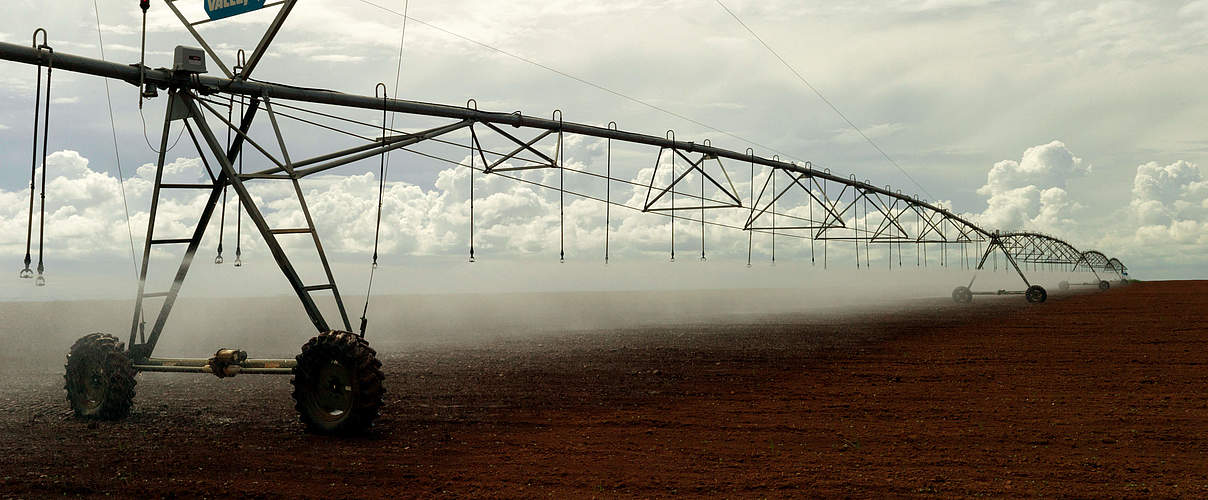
x=41, y=281
x=26, y=273
x=218, y=259
x=238, y=262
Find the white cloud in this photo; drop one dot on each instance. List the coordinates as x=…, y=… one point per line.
x=1169, y=206
x=85, y=213
x=1031, y=193
x=1168, y=184
x=1164, y=224
x=1049, y=164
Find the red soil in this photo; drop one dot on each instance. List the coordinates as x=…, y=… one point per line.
x=1098, y=394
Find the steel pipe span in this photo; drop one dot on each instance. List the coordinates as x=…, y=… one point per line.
x=164, y=78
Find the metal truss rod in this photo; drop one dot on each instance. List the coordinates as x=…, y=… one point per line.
x=358, y=153
x=267, y=39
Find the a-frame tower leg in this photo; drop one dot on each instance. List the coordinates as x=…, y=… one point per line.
x=996, y=244
x=183, y=106
x=141, y=342
x=269, y=234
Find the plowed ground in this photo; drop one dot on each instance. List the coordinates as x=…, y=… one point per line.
x=1093, y=394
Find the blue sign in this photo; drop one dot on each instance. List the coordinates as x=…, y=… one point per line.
x=218, y=9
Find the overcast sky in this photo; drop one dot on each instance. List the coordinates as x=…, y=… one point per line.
x=1083, y=119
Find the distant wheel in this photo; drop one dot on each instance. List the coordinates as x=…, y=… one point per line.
x=100, y=378
x=338, y=384
x=1123, y=281
x=1036, y=294
x=962, y=295
x=1104, y=285
x=1064, y=285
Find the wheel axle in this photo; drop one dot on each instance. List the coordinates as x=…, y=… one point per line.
x=208, y=365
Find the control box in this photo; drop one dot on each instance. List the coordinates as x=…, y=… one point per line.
x=189, y=60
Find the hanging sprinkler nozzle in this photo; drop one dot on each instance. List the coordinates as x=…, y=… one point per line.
x=26, y=273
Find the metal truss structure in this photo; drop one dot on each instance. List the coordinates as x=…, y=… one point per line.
x=792, y=200
x=1043, y=253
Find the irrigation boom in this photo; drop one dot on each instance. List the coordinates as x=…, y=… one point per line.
x=337, y=378
x=166, y=79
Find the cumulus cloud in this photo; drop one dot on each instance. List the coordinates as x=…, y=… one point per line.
x=1164, y=224
x=1049, y=164
x=1031, y=193
x=83, y=209
x=1164, y=193
x=85, y=214
x=1169, y=209
x=1166, y=221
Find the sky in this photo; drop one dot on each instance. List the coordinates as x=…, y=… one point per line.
x=1079, y=119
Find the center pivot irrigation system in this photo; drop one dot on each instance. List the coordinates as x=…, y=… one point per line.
x=337, y=378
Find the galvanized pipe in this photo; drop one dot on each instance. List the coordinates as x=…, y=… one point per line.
x=206, y=369
x=164, y=78
x=202, y=365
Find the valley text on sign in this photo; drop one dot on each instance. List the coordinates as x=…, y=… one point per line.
x=218, y=9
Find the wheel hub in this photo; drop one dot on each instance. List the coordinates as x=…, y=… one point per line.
x=94, y=386
x=334, y=394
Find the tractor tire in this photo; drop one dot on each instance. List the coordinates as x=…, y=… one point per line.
x=99, y=378
x=962, y=295
x=1064, y=285
x=1104, y=285
x=1036, y=294
x=338, y=384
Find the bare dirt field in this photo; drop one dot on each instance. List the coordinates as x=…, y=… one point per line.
x=1090, y=394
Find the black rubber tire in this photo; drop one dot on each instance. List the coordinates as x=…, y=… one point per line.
x=99, y=378
x=962, y=295
x=1036, y=294
x=1064, y=285
x=350, y=399
x=1104, y=285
